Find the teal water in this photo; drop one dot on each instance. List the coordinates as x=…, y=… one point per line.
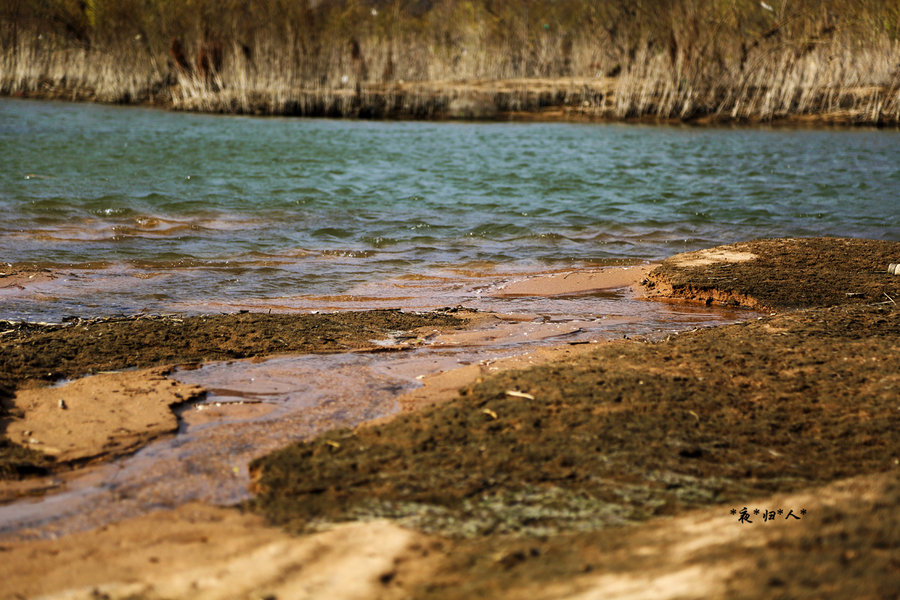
x=165, y=209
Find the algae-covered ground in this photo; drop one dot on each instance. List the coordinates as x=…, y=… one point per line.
x=631, y=431
x=782, y=273
x=528, y=473
x=31, y=353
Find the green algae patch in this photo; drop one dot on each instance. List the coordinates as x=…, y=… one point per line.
x=632, y=431
x=39, y=353
x=782, y=274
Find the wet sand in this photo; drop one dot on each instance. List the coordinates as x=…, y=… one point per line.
x=105, y=414
x=610, y=472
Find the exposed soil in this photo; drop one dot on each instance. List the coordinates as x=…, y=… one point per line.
x=210, y=553
x=100, y=415
x=610, y=473
x=33, y=354
x=571, y=284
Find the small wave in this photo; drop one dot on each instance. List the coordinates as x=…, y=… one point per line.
x=380, y=241
x=144, y=225
x=38, y=265
x=332, y=232
x=50, y=206
x=348, y=253
x=284, y=256
x=106, y=227
x=548, y=236
x=493, y=231
x=111, y=211
x=245, y=262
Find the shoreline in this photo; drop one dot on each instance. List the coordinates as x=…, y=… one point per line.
x=477, y=108
x=826, y=312
x=94, y=384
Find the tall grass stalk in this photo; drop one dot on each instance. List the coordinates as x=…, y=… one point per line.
x=833, y=60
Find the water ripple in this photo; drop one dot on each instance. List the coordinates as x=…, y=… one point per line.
x=340, y=203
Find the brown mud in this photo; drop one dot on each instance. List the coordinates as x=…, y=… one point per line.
x=40, y=354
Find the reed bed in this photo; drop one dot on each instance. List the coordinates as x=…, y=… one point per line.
x=737, y=60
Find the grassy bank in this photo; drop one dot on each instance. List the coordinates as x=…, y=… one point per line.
x=741, y=60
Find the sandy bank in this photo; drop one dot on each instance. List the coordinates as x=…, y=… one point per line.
x=574, y=283
x=199, y=551
x=203, y=552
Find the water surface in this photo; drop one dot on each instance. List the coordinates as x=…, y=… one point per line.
x=164, y=211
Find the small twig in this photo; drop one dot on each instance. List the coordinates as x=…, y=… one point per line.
x=889, y=298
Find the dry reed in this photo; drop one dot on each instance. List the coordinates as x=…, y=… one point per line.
x=743, y=60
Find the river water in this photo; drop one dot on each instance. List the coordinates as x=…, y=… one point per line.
x=136, y=210
x=174, y=212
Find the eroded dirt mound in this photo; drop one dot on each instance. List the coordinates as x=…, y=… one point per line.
x=782, y=273
x=632, y=431
x=45, y=353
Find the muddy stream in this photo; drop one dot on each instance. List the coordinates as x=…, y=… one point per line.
x=257, y=406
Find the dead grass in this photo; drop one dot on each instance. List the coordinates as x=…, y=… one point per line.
x=688, y=60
